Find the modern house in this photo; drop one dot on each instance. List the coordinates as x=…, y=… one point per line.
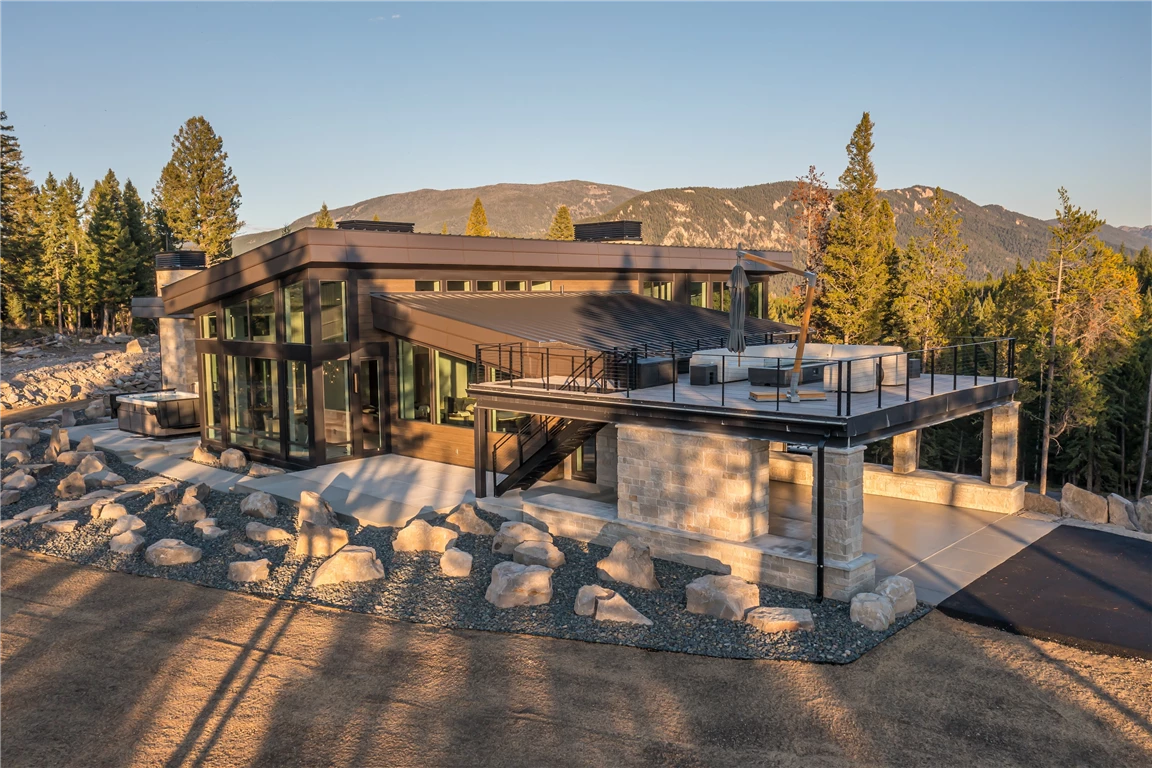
x=599, y=360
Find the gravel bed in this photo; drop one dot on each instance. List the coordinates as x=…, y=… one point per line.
x=415, y=590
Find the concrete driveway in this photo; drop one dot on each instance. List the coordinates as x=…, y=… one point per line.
x=106, y=669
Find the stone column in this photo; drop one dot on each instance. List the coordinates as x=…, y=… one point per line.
x=693, y=481
x=1001, y=434
x=843, y=503
x=906, y=452
x=606, y=456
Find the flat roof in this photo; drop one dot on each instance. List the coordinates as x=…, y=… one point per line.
x=601, y=320
x=312, y=247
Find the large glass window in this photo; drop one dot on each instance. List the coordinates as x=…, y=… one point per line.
x=298, y=444
x=208, y=326
x=541, y=285
x=720, y=297
x=415, y=382
x=487, y=285
x=696, y=294
x=452, y=378
x=212, y=427
x=514, y=285
x=371, y=405
x=333, y=320
x=427, y=285
x=658, y=290
x=294, y=313
x=337, y=409
x=253, y=403
x=262, y=317
x=756, y=300
x=236, y=321
x=458, y=285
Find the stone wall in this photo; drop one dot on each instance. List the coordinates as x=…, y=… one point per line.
x=178, y=354
x=1001, y=435
x=843, y=503
x=693, y=481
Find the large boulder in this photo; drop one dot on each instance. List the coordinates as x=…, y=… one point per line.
x=71, y=487
x=198, y=492
x=352, y=563
x=126, y=543
x=90, y=463
x=419, y=536
x=9, y=496
x=266, y=534
x=587, y=596
x=190, y=513
x=46, y=513
x=18, y=456
x=901, y=591
x=465, y=520
x=171, y=552
x=67, y=417
x=208, y=528
x=319, y=540
x=542, y=553
x=263, y=470
x=769, y=619
x=61, y=526
x=105, y=478
x=202, y=455
x=233, y=459
x=512, y=535
x=249, y=570
x=1082, y=505
x=725, y=597
x=126, y=523
x=73, y=458
x=314, y=509
x=20, y=481
x=133, y=348
x=27, y=435
x=455, y=563
x=165, y=494
x=630, y=562
x=1144, y=514
x=1121, y=512
x=95, y=409
x=12, y=524
x=86, y=445
x=514, y=585
x=616, y=608
x=111, y=511
x=259, y=504
x=873, y=611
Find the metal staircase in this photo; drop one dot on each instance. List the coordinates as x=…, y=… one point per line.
x=540, y=445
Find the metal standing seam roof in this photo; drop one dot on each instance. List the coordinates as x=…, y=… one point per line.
x=587, y=320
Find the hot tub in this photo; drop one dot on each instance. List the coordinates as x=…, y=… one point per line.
x=159, y=414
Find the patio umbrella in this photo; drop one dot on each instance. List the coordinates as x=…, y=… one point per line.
x=738, y=288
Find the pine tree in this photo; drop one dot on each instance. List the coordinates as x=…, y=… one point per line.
x=198, y=191
x=929, y=278
x=810, y=223
x=860, y=244
x=375, y=217
x=444, y=229
x=477, y=221
x=19, y=242
x=113, y=254
x=62, y=240
x=562, y=227
x=324, y=219
x=136, y=217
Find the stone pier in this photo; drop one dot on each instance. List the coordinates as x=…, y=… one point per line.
x=1001, y=436
x=906, y=452
x=693, y=481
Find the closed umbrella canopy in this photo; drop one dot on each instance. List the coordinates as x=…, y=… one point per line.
x=738, y=287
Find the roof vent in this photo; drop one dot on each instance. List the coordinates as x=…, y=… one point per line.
x=603, y=231
x=173, y=260
x=375, y=226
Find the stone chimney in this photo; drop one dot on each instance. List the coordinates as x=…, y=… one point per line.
x=178, y=367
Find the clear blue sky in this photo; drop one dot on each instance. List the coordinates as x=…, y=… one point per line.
x=1000, y=103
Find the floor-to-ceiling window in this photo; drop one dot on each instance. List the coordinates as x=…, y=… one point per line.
x=212, y=426
x=696, y=294
x=415, y=383
x=253, y=403
x=294, y=323
x=298, y=441
x=371, y=405
x=333, y=316
x=453, y=405
x=756, y=300
x=337, y=409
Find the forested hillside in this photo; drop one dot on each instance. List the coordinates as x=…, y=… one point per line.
x=759, y=215
x=517, y=210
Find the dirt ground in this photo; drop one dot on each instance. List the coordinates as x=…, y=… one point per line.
x=106, y=669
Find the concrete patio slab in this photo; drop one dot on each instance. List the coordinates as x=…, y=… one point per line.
x=179, y=468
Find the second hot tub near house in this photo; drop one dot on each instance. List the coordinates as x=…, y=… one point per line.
x=159, y=414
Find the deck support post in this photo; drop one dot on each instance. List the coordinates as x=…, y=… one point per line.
x=906, y=452
x=1001, y=439
x=480, y=435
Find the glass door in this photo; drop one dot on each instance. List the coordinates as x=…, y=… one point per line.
x=371, y=405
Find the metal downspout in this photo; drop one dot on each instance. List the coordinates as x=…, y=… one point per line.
x=820, y=520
